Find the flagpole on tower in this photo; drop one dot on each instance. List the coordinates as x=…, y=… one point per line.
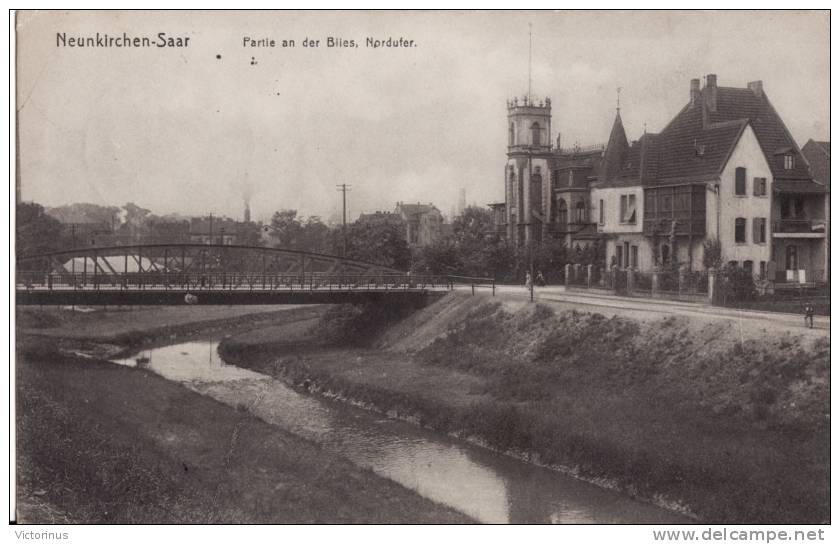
x=529, y=61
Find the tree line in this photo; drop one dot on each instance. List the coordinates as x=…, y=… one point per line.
x=470, y=246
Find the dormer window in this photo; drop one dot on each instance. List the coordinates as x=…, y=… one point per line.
x=789, y=162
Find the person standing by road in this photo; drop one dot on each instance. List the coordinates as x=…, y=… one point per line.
x=528, y=280
x=809, y=315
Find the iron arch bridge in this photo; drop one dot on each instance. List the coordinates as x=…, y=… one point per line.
x=213, y=274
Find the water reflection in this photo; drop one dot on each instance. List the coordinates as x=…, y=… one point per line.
x=489, y=487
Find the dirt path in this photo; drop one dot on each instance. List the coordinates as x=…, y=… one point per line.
x=748, y=320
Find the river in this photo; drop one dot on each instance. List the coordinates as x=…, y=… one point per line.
x=489, y=487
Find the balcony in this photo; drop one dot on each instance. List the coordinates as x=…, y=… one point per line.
x=799, y=228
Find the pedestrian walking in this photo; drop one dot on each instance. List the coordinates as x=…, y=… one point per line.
x=809, y=315
x=540, y=281
x=527, y=280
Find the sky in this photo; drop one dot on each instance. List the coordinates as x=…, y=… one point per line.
x=199, y=129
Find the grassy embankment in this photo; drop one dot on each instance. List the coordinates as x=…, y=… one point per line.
x=732, y=423
x=101, y=443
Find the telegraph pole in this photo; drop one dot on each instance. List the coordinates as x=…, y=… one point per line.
x=344, y=188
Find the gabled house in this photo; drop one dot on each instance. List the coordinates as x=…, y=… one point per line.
x=724, y=168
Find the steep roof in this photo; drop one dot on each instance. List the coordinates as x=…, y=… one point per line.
x=412, y=212
x=773, y=136
x=697, y=143
x=825, y=147
x=615, y=154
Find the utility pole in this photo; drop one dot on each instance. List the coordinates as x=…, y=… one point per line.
x=344, y=188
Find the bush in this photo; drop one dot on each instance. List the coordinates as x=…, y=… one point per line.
x=737, y=284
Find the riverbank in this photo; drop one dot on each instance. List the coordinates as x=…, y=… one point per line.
x=103, y=443
x=730, y=425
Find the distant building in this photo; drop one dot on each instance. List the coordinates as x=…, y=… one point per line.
x=423, y=223
x=213, y=230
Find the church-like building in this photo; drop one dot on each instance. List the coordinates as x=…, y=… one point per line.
x=725, y=168
x=547, y=188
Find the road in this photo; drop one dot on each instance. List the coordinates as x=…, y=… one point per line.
x=647, y=308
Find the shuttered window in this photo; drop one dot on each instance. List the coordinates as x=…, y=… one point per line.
x=741, y=181
x=740, y=230
x=760, y=186
x=759, y=230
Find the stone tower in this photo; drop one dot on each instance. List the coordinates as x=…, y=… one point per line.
x=527, y=189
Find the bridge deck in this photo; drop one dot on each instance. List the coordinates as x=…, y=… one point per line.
x=239, y=296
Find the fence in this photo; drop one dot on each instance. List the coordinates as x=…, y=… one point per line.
x=678, y=285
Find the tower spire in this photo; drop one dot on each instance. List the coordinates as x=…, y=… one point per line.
x=618, y=100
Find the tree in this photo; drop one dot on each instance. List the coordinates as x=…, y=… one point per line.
x=85, y=212
x=315, y=235
x=290, y=232
x=35, y=231
x=135, y=221
x=441, y=257
x=379, y=240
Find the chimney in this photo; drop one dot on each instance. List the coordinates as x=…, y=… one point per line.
x=695, y=91
x=757, y=87
x=710, y=93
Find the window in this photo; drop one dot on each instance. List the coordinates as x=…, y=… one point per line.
x=510, y=135
x=580, y=212
x=741, y=181
x=562, y=212
x=628, y=209
x=634, y=256
x=762, y=269
x=789, y=162
x=626, y=254
x=760, y=186
x=759, y=230
x=740, y=230
x=665, y=251
x=601, y=218
x=792, y=207
x=535, y=134
x=748, y=266
x=619, y=255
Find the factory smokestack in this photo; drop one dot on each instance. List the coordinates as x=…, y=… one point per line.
x=247, y=212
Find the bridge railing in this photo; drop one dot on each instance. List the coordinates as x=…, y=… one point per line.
x=237, y=281
x=473, y=282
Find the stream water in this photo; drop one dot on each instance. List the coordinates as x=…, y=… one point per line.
x=489, y=487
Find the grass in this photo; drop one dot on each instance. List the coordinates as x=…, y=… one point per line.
x=102, y=443
x=735, y=427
